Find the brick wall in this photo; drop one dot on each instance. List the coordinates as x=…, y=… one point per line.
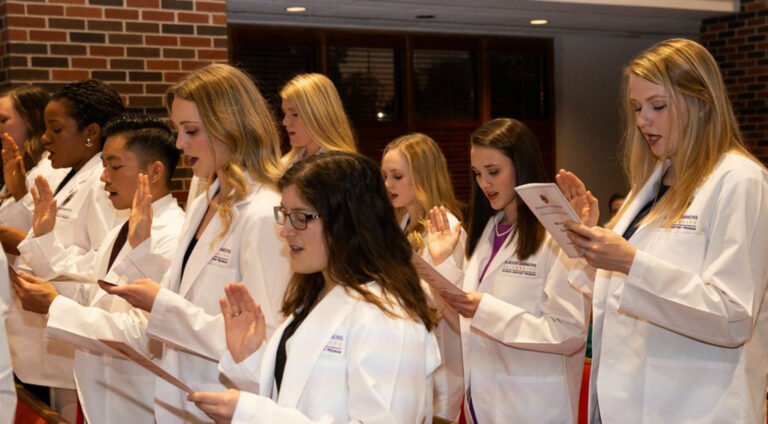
x=140, y=47
x=739, y=42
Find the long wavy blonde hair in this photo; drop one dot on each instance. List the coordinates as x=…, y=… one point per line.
x=431, y=182
x=701, y=110
x=234, y=112
x=319, y=107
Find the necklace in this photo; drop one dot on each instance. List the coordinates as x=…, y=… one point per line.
x=502, y=233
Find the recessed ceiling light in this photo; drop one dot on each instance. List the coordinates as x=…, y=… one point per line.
x=425, y=16
x=539, y=22
x=295, y=9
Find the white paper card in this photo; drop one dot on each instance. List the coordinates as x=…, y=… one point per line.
x=552, y=209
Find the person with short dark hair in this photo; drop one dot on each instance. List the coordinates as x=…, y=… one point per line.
x=139, y=157
x=615, y=202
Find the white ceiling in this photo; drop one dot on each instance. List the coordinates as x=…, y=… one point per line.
x=508, y=17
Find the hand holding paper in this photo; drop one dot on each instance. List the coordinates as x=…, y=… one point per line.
x=552, y=209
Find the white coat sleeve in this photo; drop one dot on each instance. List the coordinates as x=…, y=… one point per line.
x=246, y=374
x=151, y=259
x=560, y=328
x=265, y=272
x=69, y=319
x=7, y=387
x=47, y=254
x=388, y=378
x=720, y=303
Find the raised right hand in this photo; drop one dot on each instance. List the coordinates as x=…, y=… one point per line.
x=244, y=322
x=140, y=222
x=441, y=241
x=44, y=217
x=14, y=173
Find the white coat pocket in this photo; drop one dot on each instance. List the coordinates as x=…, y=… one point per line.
x=526, y=293
x=519, y=399
x=702, y=383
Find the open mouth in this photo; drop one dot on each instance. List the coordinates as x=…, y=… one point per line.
x=191, y=160
x=393, y=196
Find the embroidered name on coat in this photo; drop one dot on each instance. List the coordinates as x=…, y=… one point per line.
x=687, y=222
x=335, y=345
x=222, y=256
x=523, y=268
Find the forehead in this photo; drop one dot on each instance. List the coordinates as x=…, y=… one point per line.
x=484, y=156
x=57, y=109
x=183, y=110
x=394, y=159
x=114, y=148
x=288, y=104
x=641, y=89
x=6, y=104
x=292, y=199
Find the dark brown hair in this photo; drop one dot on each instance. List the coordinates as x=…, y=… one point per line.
x=518, y=143
x=364, y=241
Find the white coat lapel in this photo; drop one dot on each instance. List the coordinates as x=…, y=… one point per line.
x=487, y=248
x=645, y=195
x=309, y=341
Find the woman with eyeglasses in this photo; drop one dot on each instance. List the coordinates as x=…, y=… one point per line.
x=357, y=345
x=229, y=137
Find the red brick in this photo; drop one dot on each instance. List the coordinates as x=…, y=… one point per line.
x=112, y=51
x=191, y=65
x=756, y=6
x=163, y=65
x=148, y=4
x=209, y=6
x=145, y=101
x=161, y=40
x=45, y=9
x=125, y=14
x=15, y=8
x=85, y=12
x=212, y=54
x=16, y=35
x=69, y=75
x=47, y=35
x=157, y=88
x=193, y=18
x=219, y=19
x=157, y=15
x=24, y=22
x=195, y=41
x=172, y=77
x=68, y=1
x=89, y=63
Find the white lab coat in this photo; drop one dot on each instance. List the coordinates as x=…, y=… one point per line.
x=449, y=377
x=19, y=213
x=111, y=389
x=524, y=348
x=347, y=362
x=84, y=217
x=683, y=336
x=186, y=315
x=7, y=388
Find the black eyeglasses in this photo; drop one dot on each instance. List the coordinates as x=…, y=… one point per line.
x=299, y=220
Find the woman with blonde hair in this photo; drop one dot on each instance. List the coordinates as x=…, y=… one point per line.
x=229, y=137
x=314, y=118
x=680, y=288
x=419, y=185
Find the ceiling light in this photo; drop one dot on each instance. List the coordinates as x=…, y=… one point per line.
x=539, y=22
x=295, y=9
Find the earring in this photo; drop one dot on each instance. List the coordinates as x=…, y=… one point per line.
x=88, y=142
